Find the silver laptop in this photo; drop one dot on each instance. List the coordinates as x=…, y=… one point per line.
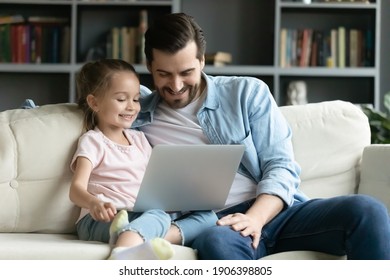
x=188, y=177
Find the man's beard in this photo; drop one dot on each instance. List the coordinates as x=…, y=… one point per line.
x=193, y=93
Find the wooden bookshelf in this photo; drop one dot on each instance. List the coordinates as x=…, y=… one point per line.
x=335, y=77
x=249, y=30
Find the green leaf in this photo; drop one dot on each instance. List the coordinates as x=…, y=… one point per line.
x=379, y=125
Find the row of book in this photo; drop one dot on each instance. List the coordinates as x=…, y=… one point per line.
x=123, y=43
x=127, y=42
x=338, y=47
x=34, y=40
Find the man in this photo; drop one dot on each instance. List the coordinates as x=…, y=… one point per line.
x=265, y=212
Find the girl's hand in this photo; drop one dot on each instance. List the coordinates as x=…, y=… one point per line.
x=102, y=211
x=245, y=224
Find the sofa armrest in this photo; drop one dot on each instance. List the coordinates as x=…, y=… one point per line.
x=375, y=172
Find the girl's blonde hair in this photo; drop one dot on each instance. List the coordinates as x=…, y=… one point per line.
x=95, y=78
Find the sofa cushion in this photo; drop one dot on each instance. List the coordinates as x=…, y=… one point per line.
x=328, y=140
x=303, y=255
x=27, y=246
x=30, y=246
x=36, y=146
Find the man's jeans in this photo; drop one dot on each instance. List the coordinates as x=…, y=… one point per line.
x=357, y=226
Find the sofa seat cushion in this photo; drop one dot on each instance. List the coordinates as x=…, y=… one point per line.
x=29, y=246
x=303, y=255
x=43, y=246
x=35, y=246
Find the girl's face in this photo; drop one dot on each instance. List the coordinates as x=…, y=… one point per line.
x=119, y=106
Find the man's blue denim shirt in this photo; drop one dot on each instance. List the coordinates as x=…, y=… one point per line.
x=242, y=110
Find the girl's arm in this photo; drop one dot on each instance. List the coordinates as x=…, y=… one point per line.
x=79, y=195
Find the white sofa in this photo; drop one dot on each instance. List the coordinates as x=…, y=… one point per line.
x=37, y=218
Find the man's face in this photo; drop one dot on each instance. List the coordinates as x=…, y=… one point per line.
x=177, y=77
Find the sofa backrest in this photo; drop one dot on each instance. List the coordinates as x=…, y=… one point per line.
x=328, y=140
x=36, y=146
x=35, y=151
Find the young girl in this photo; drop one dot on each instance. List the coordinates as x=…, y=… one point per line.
x=109, y=165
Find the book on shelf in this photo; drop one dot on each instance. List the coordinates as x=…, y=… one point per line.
x=35, y=42
x=47, y=20
x=341, y=47
x=306, y=47
x=65, y=44
x=283, y=47
x=219, y=58
x=320, y=49
x=314, y=53
x=337, y=47
x=127, y=42
x=5, y=49
x=333, y=48
x=115, y=42
x=10, y=19
x=368, y=48
x=19, y=42
x=50, y=39
x=354, y=49
x=121, y=43
x=143, y=26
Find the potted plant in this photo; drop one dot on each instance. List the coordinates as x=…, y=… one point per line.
x=379, y=122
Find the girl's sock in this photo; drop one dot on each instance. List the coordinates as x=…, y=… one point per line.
x=155, y=249
x=120, y=221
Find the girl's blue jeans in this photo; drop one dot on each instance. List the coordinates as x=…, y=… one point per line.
x=150, y=224
x=357, y=226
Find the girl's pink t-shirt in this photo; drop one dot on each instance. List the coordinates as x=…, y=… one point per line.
x=117, y=169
